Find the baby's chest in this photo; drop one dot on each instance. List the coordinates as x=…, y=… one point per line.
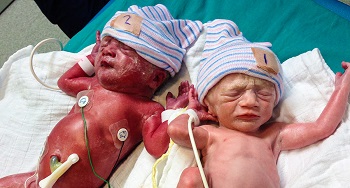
x=98, y=100
x=235, y=144
x=106, y=108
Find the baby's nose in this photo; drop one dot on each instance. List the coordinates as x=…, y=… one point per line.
x=249, y=99
x=109, y=51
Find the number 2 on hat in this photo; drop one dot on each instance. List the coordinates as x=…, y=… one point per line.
x=128, y=22
x=127, y=19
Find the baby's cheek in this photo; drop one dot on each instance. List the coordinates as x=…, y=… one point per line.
x=266, y=112
x=225, y=116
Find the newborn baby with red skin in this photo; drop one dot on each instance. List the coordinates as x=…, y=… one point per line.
x=119, y=98
x=114, y=87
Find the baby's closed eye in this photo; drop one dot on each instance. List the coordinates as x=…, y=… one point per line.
x=265, y=94
x=234, y=94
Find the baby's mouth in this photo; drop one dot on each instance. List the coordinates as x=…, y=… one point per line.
x=248, y=117
x=105, y=62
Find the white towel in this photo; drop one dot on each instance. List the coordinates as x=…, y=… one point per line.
x=309, y=85
x=29, y=110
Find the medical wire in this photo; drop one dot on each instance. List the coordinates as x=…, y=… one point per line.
x=195, y=151
x=25, y=182
x=31, y=60
x=116, y=162
x=88, y=148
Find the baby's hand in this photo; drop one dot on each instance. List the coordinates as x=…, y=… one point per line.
x=96, y=47
x=343, y=80
x=194, y=104
x=182, y=99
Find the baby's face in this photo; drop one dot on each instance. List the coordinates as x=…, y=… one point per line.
x=241, y=102
x=119, y=67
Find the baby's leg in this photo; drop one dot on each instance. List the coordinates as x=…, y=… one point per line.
x=190, y=178
x=19, y=180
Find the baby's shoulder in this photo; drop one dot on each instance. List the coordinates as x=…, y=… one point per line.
x=272, y=129
x=273, y=125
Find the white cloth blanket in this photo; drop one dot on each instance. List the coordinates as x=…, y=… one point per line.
x=309, y=83
x=29, y=111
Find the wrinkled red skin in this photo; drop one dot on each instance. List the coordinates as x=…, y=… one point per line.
x=120, y=95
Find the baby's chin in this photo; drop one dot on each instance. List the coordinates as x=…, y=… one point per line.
x=244, y=126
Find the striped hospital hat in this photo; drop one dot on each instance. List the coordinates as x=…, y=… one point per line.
x=226, y=51
x=154, y=34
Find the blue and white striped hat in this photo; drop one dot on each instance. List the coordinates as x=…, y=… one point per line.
x=226, y=51
x=154, y=34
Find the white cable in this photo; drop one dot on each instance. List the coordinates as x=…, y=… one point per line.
x=31, y=60
x=25, y=183
x=194, y=118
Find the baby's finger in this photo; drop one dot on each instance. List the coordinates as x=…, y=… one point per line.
x=191, y=93
x=169, y=95
x=345, y=65
x=194, y=93
x=183, y=88
x=98, y=35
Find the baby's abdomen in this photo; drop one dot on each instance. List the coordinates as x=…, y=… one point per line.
x=68, y=137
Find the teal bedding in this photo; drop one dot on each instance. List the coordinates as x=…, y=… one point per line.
x=293, y=27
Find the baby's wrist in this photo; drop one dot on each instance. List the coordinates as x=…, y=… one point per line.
x=171, y=114
x=86, y=65
x=193, y=114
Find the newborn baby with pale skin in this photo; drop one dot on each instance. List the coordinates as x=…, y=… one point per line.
x=241, y=148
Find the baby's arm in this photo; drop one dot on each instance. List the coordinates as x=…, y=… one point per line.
x=298, y=135
x=178, y=132
x=155, y=135
x=76, y=78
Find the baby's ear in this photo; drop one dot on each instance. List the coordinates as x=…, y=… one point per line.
x=158, y=78
x=211, y=110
